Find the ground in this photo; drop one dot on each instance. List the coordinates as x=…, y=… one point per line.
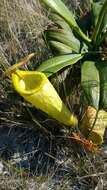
x=35, y=152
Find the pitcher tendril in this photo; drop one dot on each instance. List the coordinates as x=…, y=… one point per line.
x=14, y=67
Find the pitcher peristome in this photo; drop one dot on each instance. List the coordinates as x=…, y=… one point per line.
x=35, y=87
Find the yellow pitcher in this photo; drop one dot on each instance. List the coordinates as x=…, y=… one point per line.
x=35, y=87
x=94, y=124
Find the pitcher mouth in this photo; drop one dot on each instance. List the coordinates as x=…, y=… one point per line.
x=28, y=82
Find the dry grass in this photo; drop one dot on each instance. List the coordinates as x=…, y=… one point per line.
x=67, y=166
x=22, y=24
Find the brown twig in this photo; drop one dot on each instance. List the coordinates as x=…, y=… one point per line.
x=14, y=67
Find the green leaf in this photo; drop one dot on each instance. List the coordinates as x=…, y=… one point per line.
x=60, y=22
x=90, y=83
x=59, y=7
x=96, y=8
x=55, y=64
x=60, y=47
x=101, y=22
x=65, y=38
x=102, y=66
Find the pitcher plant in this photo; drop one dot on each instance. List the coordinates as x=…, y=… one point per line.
x=35, y=87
